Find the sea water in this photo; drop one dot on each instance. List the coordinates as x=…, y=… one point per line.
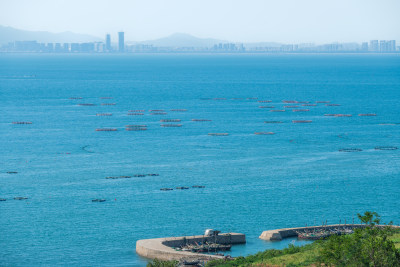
x=293, y=178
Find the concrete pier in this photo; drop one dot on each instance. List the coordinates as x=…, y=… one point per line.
x=163, y=248
x=279, y=234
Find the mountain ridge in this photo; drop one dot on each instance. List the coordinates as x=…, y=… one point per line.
x=10, y=34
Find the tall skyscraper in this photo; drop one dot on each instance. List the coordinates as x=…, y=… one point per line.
x=121, y=42
x=108, y=42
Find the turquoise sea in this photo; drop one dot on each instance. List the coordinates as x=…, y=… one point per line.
x=253, y=183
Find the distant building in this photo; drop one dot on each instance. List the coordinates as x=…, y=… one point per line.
x=27, y=46
x=374, y=46
x=364, y=47
x=75, y=47
x=121, y=42
x=382, y=46
x=50, y=47
x=108, y=42
x=66, y=47
x=392, y=45
x=57, y=48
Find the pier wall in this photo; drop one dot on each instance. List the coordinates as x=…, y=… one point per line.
x=279, y=234
x=162, y=248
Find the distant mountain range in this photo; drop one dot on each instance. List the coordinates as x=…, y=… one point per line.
x=187, y=40
x=9, y=34
x=183, y=40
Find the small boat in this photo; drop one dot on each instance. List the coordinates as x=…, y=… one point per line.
x=264, y=133
x=106, y=129
x=313, y=236
x=158, y=113
x=135, y=114
x=218, y=134
x=277, y=110
x=290, y=106
x=73, y=98
x=12, y=172
x=104, y=114
x=139, y=175
x=350, y=150
x=179, y=110
x=170, y=120
x=300, y=110
x=198, y=186
x=309, y=105
x=200, y=120
x=302, y=121
x=21, y=122
x=86, y=104
x=137, y=110
x=106, y=97
x=272, y=122
x=166, y=189
x=182, y=187
x=3, y=199
x=322, y=102
x=119, y=177
x=20, y=198
x=171, y=125
x=332, y=105
x=156, y=110
x=343, y=115
x=152, y=174
x=386, y=148
x=290, y=101
x=266, y=107
x=264, y=101
x=135, y=128
x=98, y=200
x=108, y=104
x=367, y=115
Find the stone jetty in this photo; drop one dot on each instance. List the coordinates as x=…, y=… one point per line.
x=279, y=234
x=163, y=248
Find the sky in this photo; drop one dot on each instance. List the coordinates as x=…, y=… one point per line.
x=287, y=21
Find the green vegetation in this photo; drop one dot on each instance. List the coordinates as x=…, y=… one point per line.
x=158, y=263
x=369, y=246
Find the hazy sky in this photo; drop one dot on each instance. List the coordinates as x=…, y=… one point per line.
x=286, y=21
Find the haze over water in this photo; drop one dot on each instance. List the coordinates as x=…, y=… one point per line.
x=252, y=182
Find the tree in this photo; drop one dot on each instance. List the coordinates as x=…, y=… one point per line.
x=158, y=263
x=368, y=246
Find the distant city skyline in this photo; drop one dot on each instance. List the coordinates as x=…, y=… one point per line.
x=197, y=46
x=286, y=21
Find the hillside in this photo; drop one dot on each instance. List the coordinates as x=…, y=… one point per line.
x=9, y=34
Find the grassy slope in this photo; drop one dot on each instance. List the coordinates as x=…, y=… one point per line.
x=305, y=257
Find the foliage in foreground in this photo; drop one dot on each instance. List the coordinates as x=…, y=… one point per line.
x=158, y=263
x=264, y=257
x=370, y=246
